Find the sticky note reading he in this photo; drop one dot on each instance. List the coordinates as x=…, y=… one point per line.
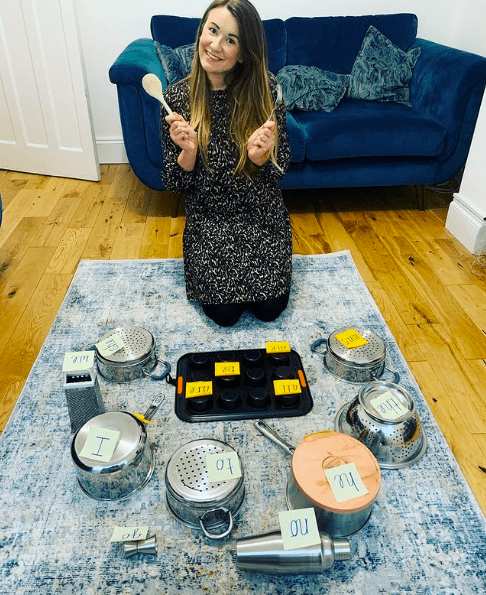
x=299, y=528
x=129, y=534
x=277, y=347
x=388, y=406
x=351, y=339
x=222, y=466
x=110, y=345
x=287, y=387
x=203, y=388
x=227, y=368
x=76, y=361
x=346, y=482
x=100, y=444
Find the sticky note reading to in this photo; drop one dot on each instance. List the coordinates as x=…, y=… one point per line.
x=299, y=528
x=110, y=345
x=388, y=406
x=76, y=361
x=129, y=534
x=346, y=482
x=277, y=347
x=351, y=339
x=287, y=387
x=227, y=368
x=222, y=466
x=100, y=444
x=203, y=388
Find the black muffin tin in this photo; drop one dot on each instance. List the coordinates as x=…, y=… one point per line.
x=247, y=395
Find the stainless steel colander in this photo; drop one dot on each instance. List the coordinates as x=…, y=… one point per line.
x=384, y=418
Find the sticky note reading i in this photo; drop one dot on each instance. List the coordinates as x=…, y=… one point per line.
x=110, y=345
x=223, y=466
x=299, y=528
x=346, y=483
x=100, y=444
x=351, y=339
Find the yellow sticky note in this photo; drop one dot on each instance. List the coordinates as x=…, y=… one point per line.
x=78, y=361
x=277, y=347
x=100, y=444
x=299, y=528
x=351, y=339
x=287, y=387
x=110, y=345
x=346, y=483
x=388, y=406
x=223, y=466
x=227, y=368
x=129, y=534
x=202, y=388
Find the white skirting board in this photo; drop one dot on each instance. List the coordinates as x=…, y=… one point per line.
x=111, y=150
x=466, y=224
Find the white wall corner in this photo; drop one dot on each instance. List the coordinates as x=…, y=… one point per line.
x=466, y=224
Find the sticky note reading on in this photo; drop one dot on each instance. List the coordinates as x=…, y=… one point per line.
x=76, y=361
x=346, y=482
x=388, y=406
x=299, y=528
x=203, y=388
x=277, y=347
x=222, y=466
x=110, y=345
x=351, y=339
x=227, y=368
x=287, y=387
x=100, y=444
x=129, y=534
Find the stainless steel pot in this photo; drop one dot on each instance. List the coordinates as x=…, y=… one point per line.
x=193, y=499
x=136, y=360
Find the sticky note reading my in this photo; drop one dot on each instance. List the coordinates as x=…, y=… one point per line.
x=100, y=444
x=388, y=406
x=129, y=534
x=351, y=339
x=77, y=361
x=346, y=483
x=227, y=368
x=110, y=345
x=299, y=528
x=222, y=466
x=277, y=347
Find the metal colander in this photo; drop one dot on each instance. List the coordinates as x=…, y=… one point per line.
x=391, y=430
x=139, y=343
x=373, y=352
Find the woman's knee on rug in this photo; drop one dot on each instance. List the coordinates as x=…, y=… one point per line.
x=223, y=314
x=268, y=310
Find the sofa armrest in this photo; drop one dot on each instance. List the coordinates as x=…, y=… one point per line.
x=136, y=60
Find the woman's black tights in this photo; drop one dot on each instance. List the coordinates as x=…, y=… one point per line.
x=229, y=314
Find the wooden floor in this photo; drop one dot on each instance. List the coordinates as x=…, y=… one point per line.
x=431, y=291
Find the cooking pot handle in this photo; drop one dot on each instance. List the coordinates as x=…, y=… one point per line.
x=165, y=373
x=396, y=375
x=217, y=535
x=317, y=344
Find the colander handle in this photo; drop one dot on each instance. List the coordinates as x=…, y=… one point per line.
x=165, y=373
x=217, y=535
x=396, y=375
x=317, y=344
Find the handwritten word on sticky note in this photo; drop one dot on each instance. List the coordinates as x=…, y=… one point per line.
x=287, y=387
x=346, y=482
x=100, y=444
x=110, y=345
x=222, y=466
x=351, y=339
x=388, y=406
x=277, y=347
x=299, y=528
x=202, y=388
x=129, y=534
x=76, y=361
x=227, y=368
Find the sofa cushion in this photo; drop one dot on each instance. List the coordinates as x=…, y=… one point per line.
x=332, y=43
x=382, y=71
x=368, y=129
x=176, y=63
x=310, y=88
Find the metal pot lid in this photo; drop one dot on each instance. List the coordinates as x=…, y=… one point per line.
x=130, y=443
x=373, y=352
x=139, y=343
x=386, y=402
x=187, y=475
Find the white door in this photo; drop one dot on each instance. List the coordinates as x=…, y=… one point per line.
x=45, y=122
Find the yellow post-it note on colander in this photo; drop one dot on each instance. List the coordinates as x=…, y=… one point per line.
x=351, y=339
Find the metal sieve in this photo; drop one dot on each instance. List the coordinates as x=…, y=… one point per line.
x=193, y=499
x=384, y=418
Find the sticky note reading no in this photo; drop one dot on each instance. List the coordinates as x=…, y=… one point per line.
x=388, y=406
x=222, y=466
x=351, y=339
x=299, y=528
x=346, y=483
x=110, y=345
x=100, y=444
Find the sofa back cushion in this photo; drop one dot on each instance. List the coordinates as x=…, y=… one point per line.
x=332, y=43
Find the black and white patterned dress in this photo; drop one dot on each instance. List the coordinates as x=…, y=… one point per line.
x=237, y=240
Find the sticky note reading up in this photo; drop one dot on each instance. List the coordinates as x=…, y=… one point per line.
x=78, y=361
x=100, y=444
x=346, y=482
x=110, y=345
x=388, y=406
x=299, y=528
x=351, y=339
x=222, y=466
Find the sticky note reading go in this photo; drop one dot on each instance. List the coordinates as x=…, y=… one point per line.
x=351, y=339
x=110, y=345
x=203, y=388
x=227, y=368
x=77, y=361
x=100, y=444
x=299, y=528
x=346, y=483
x=222, y=466
x=277, y=347
x=287, y=387
x=388, y=406
x=129, y=534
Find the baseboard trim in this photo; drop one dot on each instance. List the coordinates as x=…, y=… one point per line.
x=111, y=150
x=466, y=224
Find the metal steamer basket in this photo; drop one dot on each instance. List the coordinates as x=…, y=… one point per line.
x=193, y=499
x=137, y=359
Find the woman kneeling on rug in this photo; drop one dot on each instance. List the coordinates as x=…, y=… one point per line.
x=226, y=150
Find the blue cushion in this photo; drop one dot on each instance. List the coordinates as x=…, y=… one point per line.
x=176, y=63
x=310, y=88
x=370, y=129
x=382, y=71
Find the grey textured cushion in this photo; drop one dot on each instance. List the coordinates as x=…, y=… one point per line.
x=176, y=63
x=382, y=71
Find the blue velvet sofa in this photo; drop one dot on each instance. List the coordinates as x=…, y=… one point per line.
x=360, y=143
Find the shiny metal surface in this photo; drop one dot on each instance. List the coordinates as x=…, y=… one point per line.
x=139, y=342
x=373, y=352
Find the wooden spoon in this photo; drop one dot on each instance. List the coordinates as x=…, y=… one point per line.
x=152, y=85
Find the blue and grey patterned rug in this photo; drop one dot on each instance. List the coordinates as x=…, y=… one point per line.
x=426, y=535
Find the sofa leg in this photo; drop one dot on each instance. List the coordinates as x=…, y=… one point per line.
x=420, y=196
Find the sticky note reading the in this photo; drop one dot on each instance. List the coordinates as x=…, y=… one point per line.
x=287, y=387
x=277, y=347
x=222, y=466
x=100, y=444
x=203, y=388
x=110, y=345
x=299, y=528
x=351, y=339
x=388, y=406
x=129, y=534
x=346, y=482
x=227, y=368
x=76, y=361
